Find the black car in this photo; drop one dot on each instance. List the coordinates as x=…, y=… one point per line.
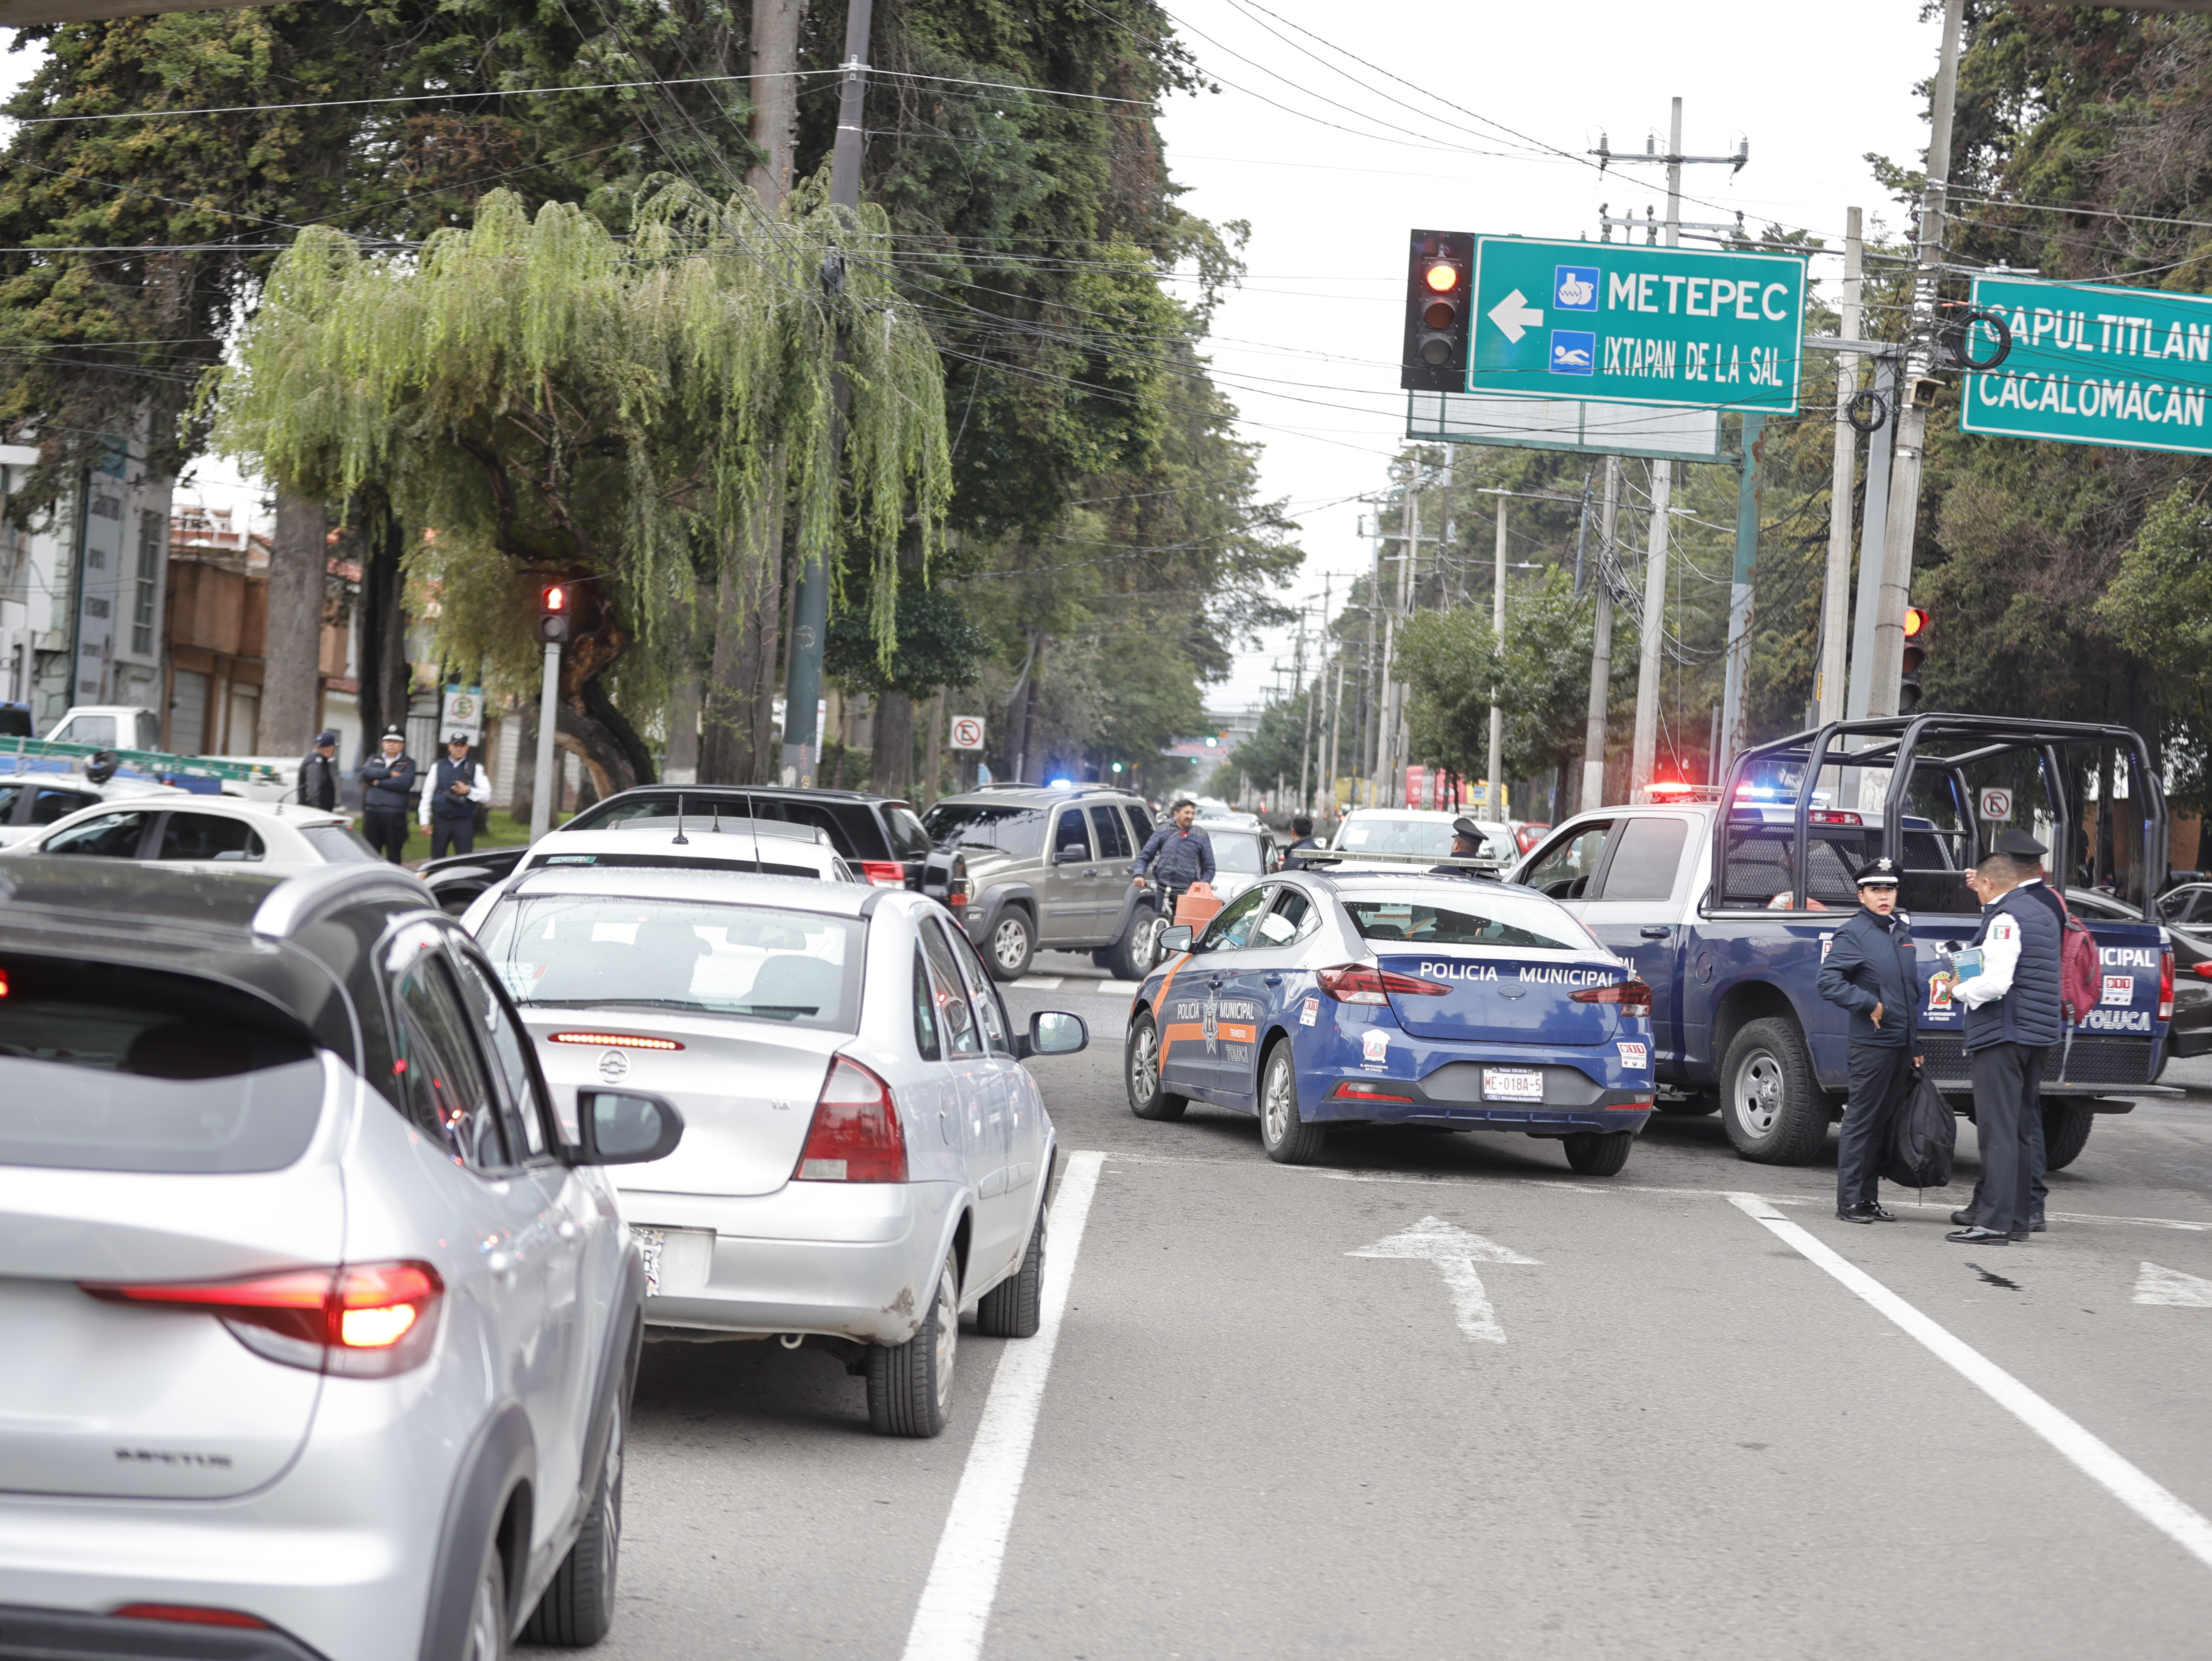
x=2187, y=914
x=880, y=836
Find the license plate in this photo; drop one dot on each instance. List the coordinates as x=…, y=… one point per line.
x=651, y=1242
x=1507, y=1083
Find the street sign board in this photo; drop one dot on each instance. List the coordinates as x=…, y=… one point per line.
x=461, y=709
x=967, y=732
x=1663, y=432
x=2094, y=365
x=1997, y=804
x=1613, y=323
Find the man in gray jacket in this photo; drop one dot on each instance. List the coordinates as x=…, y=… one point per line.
x=1871, y=970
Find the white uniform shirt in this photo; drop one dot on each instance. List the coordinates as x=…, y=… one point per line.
x=2000, y=957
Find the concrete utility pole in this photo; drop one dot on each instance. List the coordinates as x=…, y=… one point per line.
x=1600, y=686
x=1836, y=591
x=1492, y=794
x=546, y=781
x=1644, y=750
x=1740, y=590
x=1335, y=730
x=1369, y=685
x=1393, y=691
x=1919, y=389
x=809, y=618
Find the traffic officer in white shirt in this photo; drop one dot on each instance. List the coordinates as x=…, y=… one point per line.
x=2012, y=1016
x=2029, y=853
x=450, y=796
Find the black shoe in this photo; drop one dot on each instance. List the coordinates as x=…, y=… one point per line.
x=1874, y=1209
x=1980, y=1236
x=1854, y=1214
x=2036, y=1223
x=2020, y=1237
x=1964, y=1217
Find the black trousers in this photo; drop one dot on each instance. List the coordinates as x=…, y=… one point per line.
x=1880, y=1074
x=2036, y=1188
x=387, y=830
x=2008, y=1124
x=460, y=835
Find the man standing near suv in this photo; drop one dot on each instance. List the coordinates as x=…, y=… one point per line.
x=1176, y=855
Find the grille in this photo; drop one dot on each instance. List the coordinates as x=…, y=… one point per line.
x=2099, y=1059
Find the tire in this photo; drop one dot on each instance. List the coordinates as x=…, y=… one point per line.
x=2065, y=1132
x=485, y=1637
x=1598, y=1153
x=1288, y=1139
x=910, y=1384
x=1771, y=1103
x=1015, y=1307
x=1140, y=1071
x=1133, y=956
x=578, y=1608
x=1011, y=945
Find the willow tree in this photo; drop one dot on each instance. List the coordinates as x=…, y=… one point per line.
x=541, y=400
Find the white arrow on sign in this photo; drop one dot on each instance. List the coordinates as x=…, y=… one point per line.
x=1456, y=1252
x=1515, y=316
x=2170, y=1286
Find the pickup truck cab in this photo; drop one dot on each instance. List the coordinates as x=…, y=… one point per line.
x=1724, y=900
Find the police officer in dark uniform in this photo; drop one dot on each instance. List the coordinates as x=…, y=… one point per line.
x=387, y=792
x=2019, y=845
x=1870, y=969
x=1467, y=843
x=319, y=773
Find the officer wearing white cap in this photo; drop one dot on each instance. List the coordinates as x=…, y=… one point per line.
x=1467, y=843
x=1871, y=971
x=387, y=780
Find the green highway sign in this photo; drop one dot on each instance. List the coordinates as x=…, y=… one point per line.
x=1611, y=323
x=2093, y=365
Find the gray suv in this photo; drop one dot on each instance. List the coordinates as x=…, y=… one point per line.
x=1050, y=867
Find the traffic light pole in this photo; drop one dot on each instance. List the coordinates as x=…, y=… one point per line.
x=548, y=712
x=1600, y=686
x=1747, y=557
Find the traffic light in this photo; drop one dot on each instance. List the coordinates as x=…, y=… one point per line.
x=1439, y=288
x=553, y=608
x=1916, y=652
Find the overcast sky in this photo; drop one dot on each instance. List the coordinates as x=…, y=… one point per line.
x=1308, y=348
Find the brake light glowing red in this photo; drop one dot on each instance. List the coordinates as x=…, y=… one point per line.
x=1632, y=994
x=1832, y=816
x=353, y=1319
x=190, y=1614
x=613, y=1040
x=855, y=1135
x=882, y=873
x=1352, y=1091
x=1670, y=787
x=1362, y=982
x=2165, y=984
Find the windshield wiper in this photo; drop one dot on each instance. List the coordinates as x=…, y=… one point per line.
x=609, y=1003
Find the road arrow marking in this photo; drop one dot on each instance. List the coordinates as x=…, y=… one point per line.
x=1455, y=1252
x=1515, y=316
x=2170, y=1286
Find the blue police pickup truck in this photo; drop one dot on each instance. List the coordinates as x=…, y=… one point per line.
x=1725, y=900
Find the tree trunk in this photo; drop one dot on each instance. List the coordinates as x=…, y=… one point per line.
x=291, y=677
x=932, y=769
x=892, y=759
x=689, y=688
x=774, y=92
x=383, y=695
x=737, y=743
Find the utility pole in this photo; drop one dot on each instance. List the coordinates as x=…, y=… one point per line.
x=1601, y=687
x=545, y=780
x=810, y=619
x=1305, y=751
x=1836, y=591
x=1494, y=796
x=1644, y=749
x=1393, y=694
x=1919, y=389
x=1335, y=727
x=1746, y=553
x=1367, y=686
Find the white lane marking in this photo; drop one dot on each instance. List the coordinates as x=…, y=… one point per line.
x=1455, y=1251
x=2125, y=1482
x=2171, y=1287
x=1042, y=983
x=963, y=1579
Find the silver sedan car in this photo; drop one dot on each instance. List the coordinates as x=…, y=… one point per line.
x=866, y=1155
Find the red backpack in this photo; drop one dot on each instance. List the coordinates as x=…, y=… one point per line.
x=2081, y=975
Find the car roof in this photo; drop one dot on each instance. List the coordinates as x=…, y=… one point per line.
x=630, y=833
x=231, y=806
x=766, y=792
x=711, y=887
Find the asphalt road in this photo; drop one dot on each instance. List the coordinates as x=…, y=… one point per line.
x=1649, y=1416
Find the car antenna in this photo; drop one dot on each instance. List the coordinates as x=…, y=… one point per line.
x=682, y=841
x=718, y=815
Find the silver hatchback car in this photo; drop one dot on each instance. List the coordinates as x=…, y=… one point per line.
x=866, y=1156
x=319, y=1334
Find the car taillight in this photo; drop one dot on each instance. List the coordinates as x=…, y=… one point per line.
x=956, y=892
x=1362, y=982
x=1632, y=994
x=359, y=1320
x=1353, y=1091
x=882, y=873
x=855, y=1135
x=2165, y=984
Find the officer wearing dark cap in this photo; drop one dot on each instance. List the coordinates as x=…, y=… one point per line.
x=1467, y=843
x=2020, y=846
x=1871, y=971
x=319, y=773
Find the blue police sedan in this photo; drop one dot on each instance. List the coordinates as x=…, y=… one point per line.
x=1383, y=997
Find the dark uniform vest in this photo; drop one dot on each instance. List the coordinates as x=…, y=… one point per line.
x=2029, y=1014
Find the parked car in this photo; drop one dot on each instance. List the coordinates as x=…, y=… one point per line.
x=213, y=832
x=1422, y=831
x=878, y=836
x=1391, y=997
x=1241, y=858
x=30, y=802
x=713, y=843
x=866, y=1154
x=321, y=1331
x=1526, y=833
x=1051, y=867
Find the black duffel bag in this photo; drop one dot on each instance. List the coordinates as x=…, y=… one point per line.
x=1925, y=1137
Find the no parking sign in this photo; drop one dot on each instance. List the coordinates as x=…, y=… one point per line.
x=967, y=732
x=1997, y=804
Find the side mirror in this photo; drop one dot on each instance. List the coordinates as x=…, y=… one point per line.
x=620, y=1127
x=1177, y=938
x=1053, y=1032
x=1074, y=852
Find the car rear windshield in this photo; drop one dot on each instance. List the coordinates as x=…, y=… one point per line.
x=1498, y=919
x=1393, y=836
x=340, y=844
x=1016, y=831
x=110, y=1068
x=751, y=962
x=1236, y=853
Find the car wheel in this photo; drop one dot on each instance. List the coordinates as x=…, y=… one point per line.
x=1598, y=1153
x=1148, y=1096
x=486, y=1638
x=1771, y=1103
x=1133, y=957
x=910, y=1384
x=578, y=1606
x=1015, y=1307
x=1288, y=1139
x=2065, y=1132
x=1014, y=943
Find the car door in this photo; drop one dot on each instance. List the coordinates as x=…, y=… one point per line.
x=1117, y=855
x=1263, y=980
x=976, y=1092
x=1563, y=870
x=215, y=841
x=1067, y=887
x=1194, y=1055
x=1008, y=1115
x=1638, y=905
x=122, y=834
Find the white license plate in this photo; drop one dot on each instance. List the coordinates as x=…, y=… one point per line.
x=1507, y=1083
x=651, y=1242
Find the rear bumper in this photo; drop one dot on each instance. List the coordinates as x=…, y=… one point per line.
x=1615, y=1110
x=847, y=1260
x=57, y=1633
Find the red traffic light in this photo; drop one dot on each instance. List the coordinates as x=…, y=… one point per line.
x=1915, y=620
x=1442, y=278
x=553, y=599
